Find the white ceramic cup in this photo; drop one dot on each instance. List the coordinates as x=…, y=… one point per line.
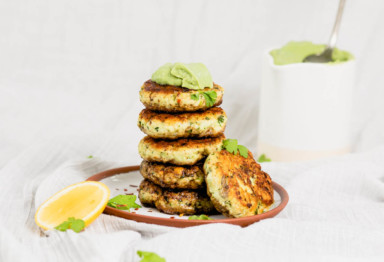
x=305, y=110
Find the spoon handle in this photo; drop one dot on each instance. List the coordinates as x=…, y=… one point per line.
x=336, y=27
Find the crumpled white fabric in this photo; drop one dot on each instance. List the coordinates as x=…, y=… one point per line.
x=335, y=212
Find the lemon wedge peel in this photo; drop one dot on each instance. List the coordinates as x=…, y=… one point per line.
x=93, y=213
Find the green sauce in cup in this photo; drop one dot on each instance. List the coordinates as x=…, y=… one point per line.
x=295, y=52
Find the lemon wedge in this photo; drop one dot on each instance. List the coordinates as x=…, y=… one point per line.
x=84, y=200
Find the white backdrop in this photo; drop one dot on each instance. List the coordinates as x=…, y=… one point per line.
x=70, y=71
x=75, y=67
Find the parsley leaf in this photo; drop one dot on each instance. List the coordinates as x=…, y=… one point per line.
x=201, y=217
x=195, y=97
x=220, y=119
x=76, y=225
x=63, y=226
x=123, y=202
x=149, y=256
x=209, y=96
x=263, y=158
x=232, y=147
x=243, y=151
x=90, y=156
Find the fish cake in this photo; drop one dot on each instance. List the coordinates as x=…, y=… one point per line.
x=186, y=202
x=185, y=151
x=149, y=193
x=176, y=99
x=236, y=185
x=175, y=177
x=210, y=123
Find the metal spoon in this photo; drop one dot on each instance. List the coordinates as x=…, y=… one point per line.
x=326, y=55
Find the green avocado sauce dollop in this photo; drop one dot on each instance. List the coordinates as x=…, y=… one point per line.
x=295, y=52
x=192, y=76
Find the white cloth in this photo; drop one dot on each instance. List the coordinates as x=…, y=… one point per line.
x=336, y=210
x=70, y=72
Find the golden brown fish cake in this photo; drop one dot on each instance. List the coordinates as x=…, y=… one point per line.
x=174, y=202
x=176, y=99
x=175, y=177
x=181, y=125
x=236, y=185
x=184, y=202
x=185, y=151
x=149, y=193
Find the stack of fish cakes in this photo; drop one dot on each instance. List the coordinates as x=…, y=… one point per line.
x=182, y=130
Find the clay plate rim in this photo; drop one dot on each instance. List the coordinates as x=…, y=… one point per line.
x=243, y=221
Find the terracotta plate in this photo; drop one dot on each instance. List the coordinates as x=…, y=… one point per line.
x=126, y=180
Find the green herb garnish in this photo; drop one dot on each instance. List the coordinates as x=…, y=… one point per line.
x=232, y=147
x=243, y=150
x=149, y=256
x=157, y=129
x=209, y=96
x=195, y=97
x=90, y=156
x=123, y=202
x=201, y=217
x=72, y=223
x=263, y=158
